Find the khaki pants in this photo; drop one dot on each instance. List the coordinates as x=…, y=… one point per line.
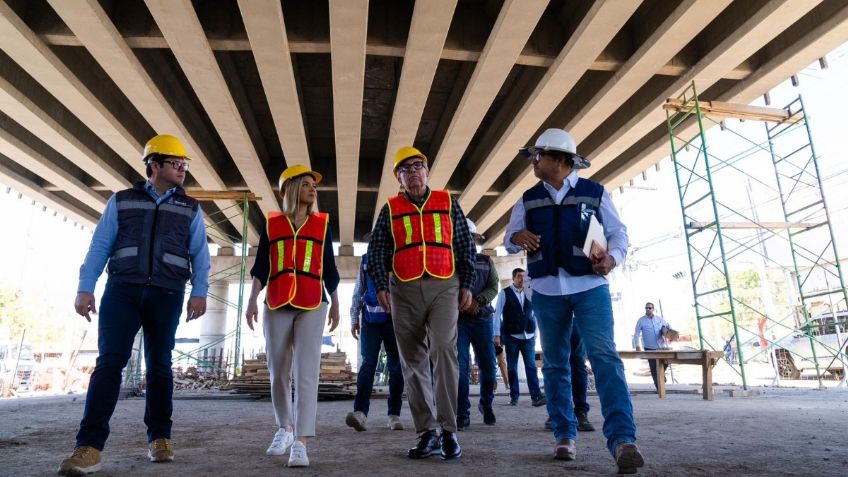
x=424, y=312
x=293, y=343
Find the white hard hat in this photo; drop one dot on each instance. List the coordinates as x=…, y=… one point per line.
x=472, y=228
x=560, y=140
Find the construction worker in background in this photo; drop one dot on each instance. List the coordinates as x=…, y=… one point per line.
x=550, y=222
x=154, y=240
x=474, y=329
x=422, y=237
x=295, y=263
x=373, y=330
x=649, y=330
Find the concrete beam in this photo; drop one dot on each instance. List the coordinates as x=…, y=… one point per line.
x=91, y=24
x=34, y=191
x=266, y=29
x=23, y=154
x=185, y=36
x=348, y=34
x=510, y=33
x=825, y=35
x=24, y=47
x=427, y=33
x=596, y=29
x=733, y=48
x=17, y=106
x=665, y=41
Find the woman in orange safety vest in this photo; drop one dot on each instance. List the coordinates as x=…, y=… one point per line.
x=295, y=263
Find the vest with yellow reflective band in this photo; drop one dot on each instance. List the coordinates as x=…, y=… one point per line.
x=296, y=261
x=423, y=237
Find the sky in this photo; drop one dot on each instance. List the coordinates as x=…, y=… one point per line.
x=41, y=252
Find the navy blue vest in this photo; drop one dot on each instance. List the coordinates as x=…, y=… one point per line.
x=372, y=312
x=562, y=226
x=516, y=319
x=482, y=268
x=153, y=240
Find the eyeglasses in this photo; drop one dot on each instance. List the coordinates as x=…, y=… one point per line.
x=178, y=165
x=649, y=308
x=535, y=157
x=415, y=166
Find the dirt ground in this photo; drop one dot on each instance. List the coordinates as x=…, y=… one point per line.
x=780, y=432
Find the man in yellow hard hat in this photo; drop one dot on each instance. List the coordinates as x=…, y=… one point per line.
x=422, y=238
x=154, y=240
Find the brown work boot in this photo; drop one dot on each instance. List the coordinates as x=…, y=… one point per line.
x=583, y=423
x=84, y=460
x=565, y=449
x=628, y=458
x=160, y=450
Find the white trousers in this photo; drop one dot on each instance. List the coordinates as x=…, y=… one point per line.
x=293, y=345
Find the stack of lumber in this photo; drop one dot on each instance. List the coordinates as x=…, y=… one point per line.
x=336, y=381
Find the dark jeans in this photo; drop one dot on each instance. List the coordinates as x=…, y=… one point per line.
x=124, y=309
x=478, y=334
x=652, y=363
x=579, y=374
x=528, y=353
x=371, y=336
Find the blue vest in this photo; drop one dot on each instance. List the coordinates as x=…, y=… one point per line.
x=151, y=247
x=372, y=312
x=482, y=268
x=562, y=226
x=516, y=319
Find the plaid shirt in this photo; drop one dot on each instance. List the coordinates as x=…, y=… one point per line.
x=381, y=248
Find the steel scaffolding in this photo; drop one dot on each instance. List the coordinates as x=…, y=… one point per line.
x=725, y=231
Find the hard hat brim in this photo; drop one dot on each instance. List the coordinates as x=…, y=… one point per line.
x=580, y=162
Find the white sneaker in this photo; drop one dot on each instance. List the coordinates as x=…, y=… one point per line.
x=297, y=457
x=281, y=443
x=394, y=423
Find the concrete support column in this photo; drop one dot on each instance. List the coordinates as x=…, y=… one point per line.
x=213, y=326
x=346, y=250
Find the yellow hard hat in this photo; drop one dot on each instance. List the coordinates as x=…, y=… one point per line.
x=405, y=153
x=297, y=170
x=164, y=144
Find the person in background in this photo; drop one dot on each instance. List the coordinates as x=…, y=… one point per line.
x=373, y=330
x=154, y=239
x=295, y=263
x=649, y=333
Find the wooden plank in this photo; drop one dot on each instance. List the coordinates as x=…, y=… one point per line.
x=721, y=109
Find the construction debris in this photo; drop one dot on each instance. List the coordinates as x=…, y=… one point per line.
x=191, y=380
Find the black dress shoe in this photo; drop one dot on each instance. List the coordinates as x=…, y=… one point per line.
x=462, y=422
x=488, y=414
x=450, y=446
x=539, y=401
x=428, y=444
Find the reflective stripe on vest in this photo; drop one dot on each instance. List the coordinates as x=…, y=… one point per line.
x=423, y=237
x=296, y=258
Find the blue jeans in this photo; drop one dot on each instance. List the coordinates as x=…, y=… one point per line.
x=371, y=336
x=476, y=333
x=579, y=374
x=124, y=309
x=592, y=311
x=527, y=348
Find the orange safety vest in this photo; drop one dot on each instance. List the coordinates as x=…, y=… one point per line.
x=297, y=258
x=423, y=237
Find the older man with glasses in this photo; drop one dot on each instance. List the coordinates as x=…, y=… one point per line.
x=421, y=237
x=550, y=222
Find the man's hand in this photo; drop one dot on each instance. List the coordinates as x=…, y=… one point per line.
x=638, y=348
x=354, y=330
x=333, y=316
x=465, y=299
x=602, y=262
x=195, y=308
x=473, y=308
x=497, y=340
x=527, y=240
x=385, y=300
x=251, y=314
x=84, y=304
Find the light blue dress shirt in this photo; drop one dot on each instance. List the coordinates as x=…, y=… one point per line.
x=650, y=330
x=565, y=283
x=106, y=232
